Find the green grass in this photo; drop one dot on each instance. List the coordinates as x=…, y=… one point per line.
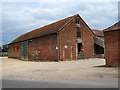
x=5, y=54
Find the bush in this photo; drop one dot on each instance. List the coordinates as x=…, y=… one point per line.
x=5, y=54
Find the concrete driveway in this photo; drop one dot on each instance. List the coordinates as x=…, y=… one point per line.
x=85, y=73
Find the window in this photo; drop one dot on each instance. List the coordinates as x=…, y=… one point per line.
x=17, y=47
x=77, y=20
x=79, y=47
x=78, y=33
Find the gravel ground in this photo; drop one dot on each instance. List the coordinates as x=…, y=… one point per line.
x=85, y=73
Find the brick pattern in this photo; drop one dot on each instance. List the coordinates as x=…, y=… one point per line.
x=119, y=48
x=14, y=50
x=43, y=48
x=111, y=47
x=68, y=41
x=87, y=40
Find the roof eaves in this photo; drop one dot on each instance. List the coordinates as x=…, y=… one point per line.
x=67, y=23
x=111, y=30
x=33, y=38
x=108, y=29
x=86, y=25
x=40, y=28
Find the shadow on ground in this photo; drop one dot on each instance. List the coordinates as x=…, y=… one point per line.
x=100, y=66
x=76, y=83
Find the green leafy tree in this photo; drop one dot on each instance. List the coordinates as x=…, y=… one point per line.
x=5, y=48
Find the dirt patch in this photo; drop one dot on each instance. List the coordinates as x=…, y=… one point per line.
x=14, y=69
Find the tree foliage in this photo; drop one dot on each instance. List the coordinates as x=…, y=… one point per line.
x=5, y=48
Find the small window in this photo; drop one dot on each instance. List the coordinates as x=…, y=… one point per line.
x=17, y=47
x=77, y=20
x=78, y=33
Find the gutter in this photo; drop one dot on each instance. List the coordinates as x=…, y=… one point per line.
x=31, y=38
x=58, y=46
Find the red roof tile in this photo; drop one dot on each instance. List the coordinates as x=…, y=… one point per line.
x=113, y=27
x=45, y=30
x=98, y=32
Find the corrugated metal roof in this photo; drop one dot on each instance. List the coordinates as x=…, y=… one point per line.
x=113, y=27
x=45, y=30
x=98, y=32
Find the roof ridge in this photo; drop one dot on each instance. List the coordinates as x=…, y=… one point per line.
x=86, y=24
x=43, y=30
x=47, y=25
x=98, y=32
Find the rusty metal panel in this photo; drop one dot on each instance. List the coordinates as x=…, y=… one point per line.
x=99, y=41
x=24, y=50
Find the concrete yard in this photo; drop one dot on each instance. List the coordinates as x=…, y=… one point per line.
x=85, y=73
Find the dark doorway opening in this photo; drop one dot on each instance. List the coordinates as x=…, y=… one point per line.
x=80, y=52
x=98, y=49
x=24, y=50
x=79, y=47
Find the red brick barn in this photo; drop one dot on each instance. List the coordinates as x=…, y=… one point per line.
x=67, y=39
x=112, y=45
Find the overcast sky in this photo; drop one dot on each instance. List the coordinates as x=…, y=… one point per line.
x=21, y=17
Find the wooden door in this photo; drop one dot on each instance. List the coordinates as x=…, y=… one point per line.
x=24, y=50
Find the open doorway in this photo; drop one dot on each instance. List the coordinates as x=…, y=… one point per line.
x=98, y=49
x=79, y=47
x=24, y=50
x=80, y=52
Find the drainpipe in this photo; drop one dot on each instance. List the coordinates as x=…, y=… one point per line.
x=58, y=46
x=104, y=46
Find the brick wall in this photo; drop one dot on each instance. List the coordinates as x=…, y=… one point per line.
x=43, y=48
x=119, y=47
x=87, y=40
x=111, y=47
x=14, y=50
x=68, y=41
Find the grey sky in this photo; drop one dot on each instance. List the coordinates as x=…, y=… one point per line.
x=21, y=17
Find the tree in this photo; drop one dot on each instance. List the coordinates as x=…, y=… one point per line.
x=5, y=48
x=0, y=49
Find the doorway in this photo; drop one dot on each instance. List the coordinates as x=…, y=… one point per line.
x=80, y=54
x=24, y=50
x=79, y=47
x=98, y=49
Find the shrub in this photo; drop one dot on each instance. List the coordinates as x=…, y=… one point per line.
x=5, y=54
